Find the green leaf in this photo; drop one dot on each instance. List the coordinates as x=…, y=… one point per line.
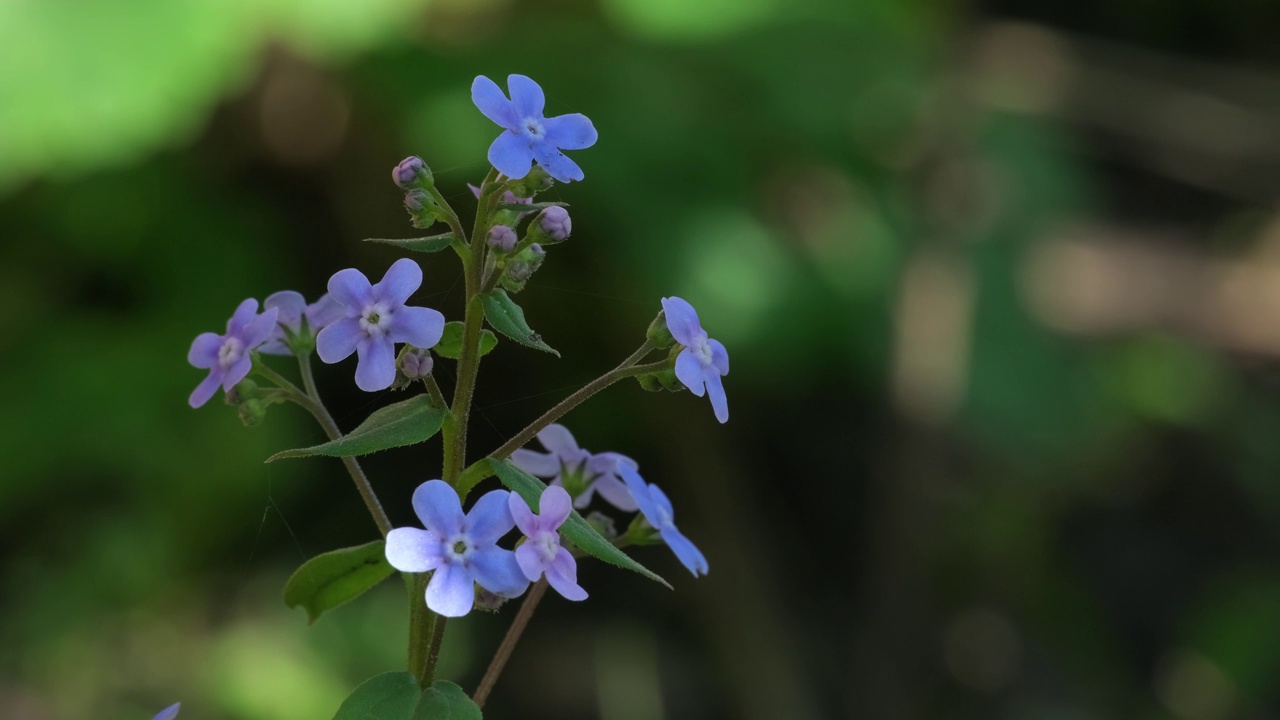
x=530, y=207
x=404, y=423
x=389, y=696
x=429, y=244
x=450, y=345
x=326, y=581
x=576, y=529
x=507, y=318
x=446, y=701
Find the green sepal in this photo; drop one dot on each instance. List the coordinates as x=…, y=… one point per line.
x=576, y=529
x=446, y=701
x=328, y=580
x=450, y=345
x=389, y=696
x=404, y=423
x=428, y=244
x=508, y=318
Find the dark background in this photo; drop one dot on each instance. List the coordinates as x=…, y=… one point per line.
x=1000, y=282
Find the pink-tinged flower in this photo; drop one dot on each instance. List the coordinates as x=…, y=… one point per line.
x=459, y=549
x=292, y=308
x=529, y=135
x=226, y=357
x=581, y=472
x=703, y=360
x=657, y=510
x=375, y=319
x=542, y=553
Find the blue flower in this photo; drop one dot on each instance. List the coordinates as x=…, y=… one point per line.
x=461, y=550
x=292, y=308
x=568, y=465
x=168, y=713
x=226, y=357
x=703, y=360
x=542, y=554
x=656, y=508
x=376, y=318
x=528, y=134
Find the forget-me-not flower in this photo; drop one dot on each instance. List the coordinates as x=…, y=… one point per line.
x=292, y=308
x=528, y=135
x=375, y=319
x=168, y=713
x=656, y=508
x=226, y=357
x=583, y=473
x=460, y=549
x=703, y=360
x=542, y=553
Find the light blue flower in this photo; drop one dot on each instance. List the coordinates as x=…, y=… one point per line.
x=529, y=135
x=542, y=554
x=656, y=508
x=703, y=360
x=168, y=713
x=375, y=319
x=459, y=549
x=226, y=357
x=292, y=307
x=583, y=473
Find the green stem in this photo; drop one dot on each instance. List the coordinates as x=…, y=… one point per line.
x=428, y=674
x=509, y=642
x=437, y=397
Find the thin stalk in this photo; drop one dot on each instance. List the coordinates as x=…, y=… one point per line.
x=437, y=397
x=428, y=674
x=503, y=654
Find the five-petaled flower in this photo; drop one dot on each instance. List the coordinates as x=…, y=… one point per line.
x=528, y=135
x=461, y=550
x=292, y=308
x=375, y=319
x=581, y=472
x=542, y=553
x=657, y=509
x=703, y=360
x=168, y=713
x=226, y=357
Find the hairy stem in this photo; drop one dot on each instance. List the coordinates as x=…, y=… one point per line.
x=432, y=658
x=503, y=654
x=437, y=397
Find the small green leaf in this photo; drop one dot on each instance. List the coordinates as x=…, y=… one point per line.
x=446, y=701
x=450, y=345
x=576, y=529
x=389, y=696
x=429, y=244
x=507, y=318
x=404, y=423
x=530, y=207
x=326, y=581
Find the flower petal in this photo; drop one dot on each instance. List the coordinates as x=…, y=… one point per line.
x=689, y=372
x=554, y=507
x=376, y=367
x=352, y=289
x=523, y=515
x=715, y=390
x=540, y=464
x=688, y=553
x=570, y=132
x=719, y=356
x=206, y=388
x=439, y=508
x=563, y=576
x=204, y=350
x=615, y=492
x=336, y=342
x=682, y=320
x=413, y=550
x=451, y=591
x=489, y=519
x=237, y=372
x=261, y=328
x=420, y=327
x=492, y=102
x=324, y=312
x=558, y=440
x=497, y=571
x=526, y=97
x=640, y=493
x=662, y=504
x=530, y=561
x=242, y=316
x=402, y=280
x=168, y=713
x=511, y=155
x=557, y=164
x=290, y=305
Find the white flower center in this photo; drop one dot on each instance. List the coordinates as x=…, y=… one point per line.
x=547, y=545
x=701, y=349
x=458, y=549
x=230, y=352
x=533, y=128
x=376, y=318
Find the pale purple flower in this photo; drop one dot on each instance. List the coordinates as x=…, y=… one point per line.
x=528, y=135
x=555, y=224
x=656, y=509
x=460, y=550
x=375, y=318
x=292, y=308
x=168, y=713
x=703, y=360
x=502, y=238
x=409, y=171
x=567, y=464
x=417, y=364
x=542, y=553
x=226, y=357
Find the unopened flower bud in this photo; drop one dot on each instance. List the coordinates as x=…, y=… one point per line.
x=535, y=255
x=502, y=238
x=519, y=271
x=252, y=412
x=244, y=390
x=411, y=172
x=416, y=363
x=658, y=334
x=416, y=200
x=553, y=225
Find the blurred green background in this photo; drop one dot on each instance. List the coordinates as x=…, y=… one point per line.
x=1001, y=283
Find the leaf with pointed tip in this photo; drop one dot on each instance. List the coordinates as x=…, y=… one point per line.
x=330, y=579
x=404, y=423
x=389, y=696
x=450, y=345
x=507, y=318
x=576, y=529
x=446, y=701
x=429, y=244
